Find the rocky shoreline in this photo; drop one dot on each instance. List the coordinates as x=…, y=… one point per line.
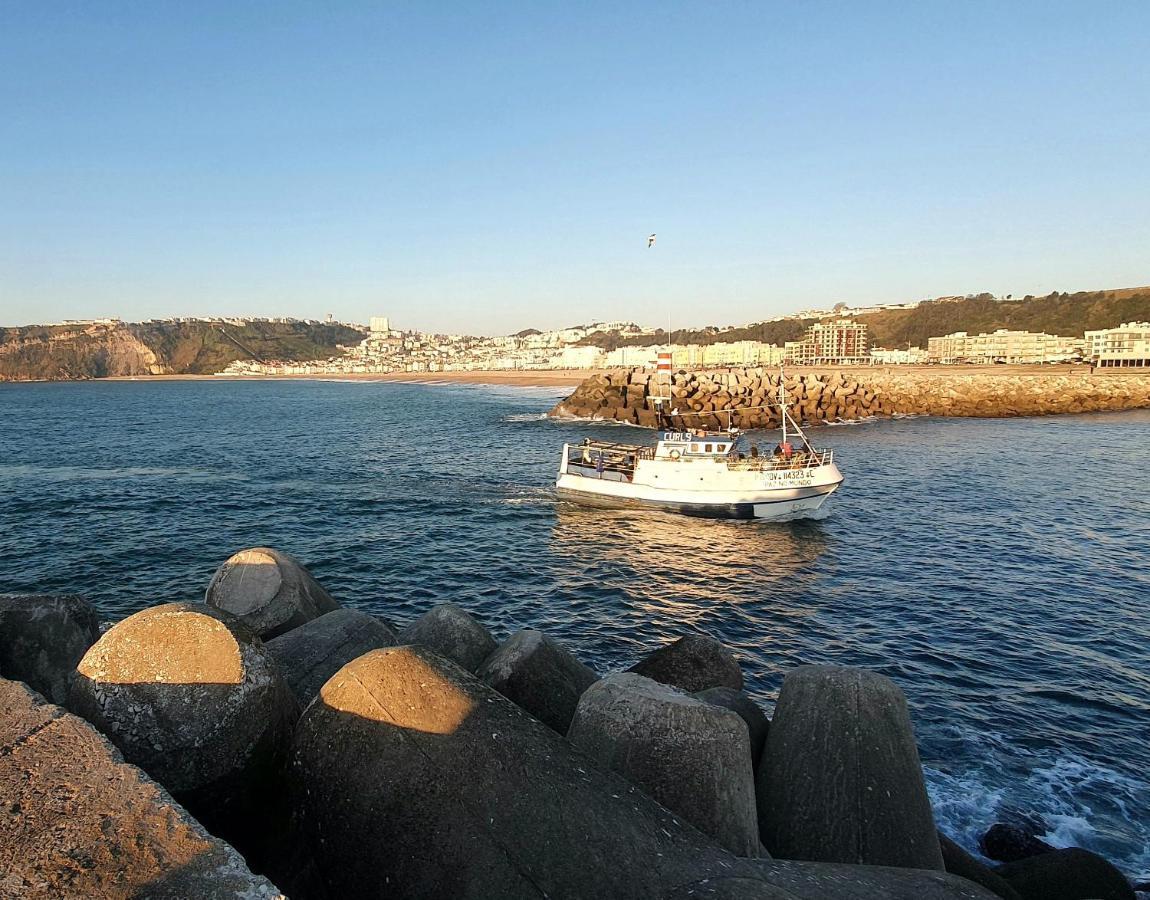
x=345, y=756
x=744, y=397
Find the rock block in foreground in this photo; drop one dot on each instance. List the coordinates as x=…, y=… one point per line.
x=1072, y=874
x=192, y=697
x=453, y=633
x=840, y=778
x=693, y=663
x=758, y=725
x=958, y=862
x=42, y=637
x=1009, y=842
x=692, y=757
x=540, y=675
x=76, y=821
x=413, y=778
x=268, y=591
x=310, y=654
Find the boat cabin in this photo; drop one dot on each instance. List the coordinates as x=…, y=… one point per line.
x=688, y=444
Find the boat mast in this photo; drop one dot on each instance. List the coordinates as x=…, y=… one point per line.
x=783, y=403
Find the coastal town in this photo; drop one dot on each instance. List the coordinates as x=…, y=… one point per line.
x=835, y=339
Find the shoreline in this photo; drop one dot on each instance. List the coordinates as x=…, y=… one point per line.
x=510, y=377
x=572, y=378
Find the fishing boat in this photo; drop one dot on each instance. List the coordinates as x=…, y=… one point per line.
x=703, y=472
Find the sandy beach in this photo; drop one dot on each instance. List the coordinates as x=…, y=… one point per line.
x=515, y=378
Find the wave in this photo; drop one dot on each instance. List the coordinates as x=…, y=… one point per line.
x=83, y=473
x=1080, y=803
x=526, y=417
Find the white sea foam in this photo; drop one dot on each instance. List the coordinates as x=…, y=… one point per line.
x=1081, y=803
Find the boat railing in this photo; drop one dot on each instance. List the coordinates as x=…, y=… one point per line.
x=602, y=456
x=798, y=460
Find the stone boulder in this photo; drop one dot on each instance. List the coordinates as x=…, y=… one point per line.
x=691, y=756
x=77, y=821
x=192, y=697
x=452, y=632
x=840, y=778
x=958, y=862
x=540, y=675
x=758, y=725
x=268, y=591
x=1072, y=874
x=310, y=654
x=693, y=663
x=42, y=637
x=1011, y=841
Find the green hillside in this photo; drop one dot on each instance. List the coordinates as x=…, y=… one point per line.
x=1069, y=315
x=1058, y=313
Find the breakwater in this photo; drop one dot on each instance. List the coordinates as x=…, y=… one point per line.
x=354, y=756
x=747, y=397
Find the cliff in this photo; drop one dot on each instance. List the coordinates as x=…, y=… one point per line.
x=100, y=350
x=744, y=397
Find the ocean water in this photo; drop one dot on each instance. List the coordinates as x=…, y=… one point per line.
x=997, y=570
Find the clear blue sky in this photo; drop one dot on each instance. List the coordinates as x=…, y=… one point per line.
x=487, y=167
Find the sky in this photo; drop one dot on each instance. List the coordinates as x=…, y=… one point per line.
x=487, y=167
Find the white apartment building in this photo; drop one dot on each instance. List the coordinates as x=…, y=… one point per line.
x=912, y=356
x=841, y=342
x=1124, y=347
x=1015, y=347
x=380, y=325
x=577, y=358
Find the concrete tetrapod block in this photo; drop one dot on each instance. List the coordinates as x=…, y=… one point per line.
x=310, y=654
x=758, y=725
x=693, y=663
x=1009, y=842
x=1070, y=874
x=452, y=632
x=692, y=757
x=267, y=590
x=840, y=778
x=191, y=696
x=412, y=778
x=77, y=821
x=959, y=862
x=42, y=637
x=540, y=675
x=831, y=881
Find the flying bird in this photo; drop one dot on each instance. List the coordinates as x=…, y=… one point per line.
x=650, y=241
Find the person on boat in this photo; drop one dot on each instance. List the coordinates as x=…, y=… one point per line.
x=785, y=450
x=586, y=451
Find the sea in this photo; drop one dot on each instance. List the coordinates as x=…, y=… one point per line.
x=997, y=569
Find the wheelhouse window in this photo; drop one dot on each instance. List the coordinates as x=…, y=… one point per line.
x=694, y=448
x=708, y=448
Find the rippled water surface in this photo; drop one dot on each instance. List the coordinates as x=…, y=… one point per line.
x=996, y=569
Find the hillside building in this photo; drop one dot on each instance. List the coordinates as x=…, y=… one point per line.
x=1124, y=347
x=841, y=342
x=912, y=356
x=1003, y=346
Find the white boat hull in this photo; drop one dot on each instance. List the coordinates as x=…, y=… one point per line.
x=790, y=496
